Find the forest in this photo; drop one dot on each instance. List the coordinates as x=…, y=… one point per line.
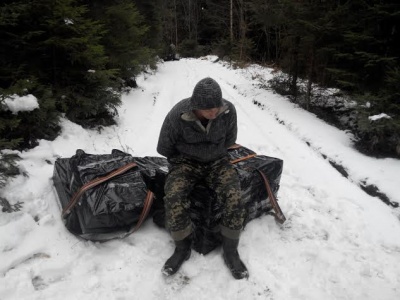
x=77, y=57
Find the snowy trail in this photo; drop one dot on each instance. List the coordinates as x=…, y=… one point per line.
x=338, y=242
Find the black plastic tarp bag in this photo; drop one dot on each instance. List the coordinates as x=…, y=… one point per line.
x=206, y=214
x=113, y=207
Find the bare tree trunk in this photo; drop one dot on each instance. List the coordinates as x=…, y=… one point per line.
x=194, y=18
x=188, y=17
x=231, y=22
x=268, y=40
x=294, y=68
x=242, y=29
x=310, y=79
x=176, y=27
x=277, y=41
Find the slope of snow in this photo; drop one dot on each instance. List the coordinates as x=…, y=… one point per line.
x=338, y=242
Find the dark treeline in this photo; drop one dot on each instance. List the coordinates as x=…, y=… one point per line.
x=77, y=56
x=353, y=46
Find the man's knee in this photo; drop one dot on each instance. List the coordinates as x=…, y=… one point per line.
x=179, y=179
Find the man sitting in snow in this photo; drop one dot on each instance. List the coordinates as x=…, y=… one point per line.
x=194, y=137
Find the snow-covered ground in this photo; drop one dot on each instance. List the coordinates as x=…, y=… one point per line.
x=338, y=242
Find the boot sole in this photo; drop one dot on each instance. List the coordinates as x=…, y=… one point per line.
x=169, y=271
x=235, y=274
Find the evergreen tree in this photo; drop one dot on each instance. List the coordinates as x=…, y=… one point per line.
x=267, y=21
x=56, y=43
x=18, y=77
x=152, y=15
x=20, y=130
x=125, y=38
x=345, y=44
x=215, y=23
x=76, y=62
x=364, y=64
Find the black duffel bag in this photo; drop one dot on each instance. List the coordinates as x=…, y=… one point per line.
x=259, y=181
x=110, y=195
x=105, y=196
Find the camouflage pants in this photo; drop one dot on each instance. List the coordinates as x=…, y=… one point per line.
x=219, y=176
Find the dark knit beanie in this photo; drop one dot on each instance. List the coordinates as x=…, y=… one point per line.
x=206, y=94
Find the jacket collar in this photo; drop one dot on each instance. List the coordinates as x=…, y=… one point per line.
x=191, y=117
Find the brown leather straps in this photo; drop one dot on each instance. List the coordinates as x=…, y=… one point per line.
x=146, y=205
x=243, y=158
x=91, y=184
x=143, y=215
x=279, y=216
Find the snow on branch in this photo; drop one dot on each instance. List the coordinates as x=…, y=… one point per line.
x=378, y=117
x=17, y=103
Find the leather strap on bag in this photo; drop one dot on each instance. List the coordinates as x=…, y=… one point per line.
x=91, y=184
x=146, y=209
x=279, y=216
x=143, y=215
x=242, y=158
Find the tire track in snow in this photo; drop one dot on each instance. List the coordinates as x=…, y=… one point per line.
x=329, y=248
x=317, y=214
x=145, y=108
x=315, y=199
x=370, y=189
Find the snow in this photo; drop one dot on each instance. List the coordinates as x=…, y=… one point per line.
x=378, y=117
x=338, y=242
x=16, y=103
x=68, y=22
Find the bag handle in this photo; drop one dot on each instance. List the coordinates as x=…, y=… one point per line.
x=91, y=184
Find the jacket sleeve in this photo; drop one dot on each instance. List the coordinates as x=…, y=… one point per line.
x=167, y=139
x=231, y=133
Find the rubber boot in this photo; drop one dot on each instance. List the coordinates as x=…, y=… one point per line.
x=182, y=252
x=232, y=259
